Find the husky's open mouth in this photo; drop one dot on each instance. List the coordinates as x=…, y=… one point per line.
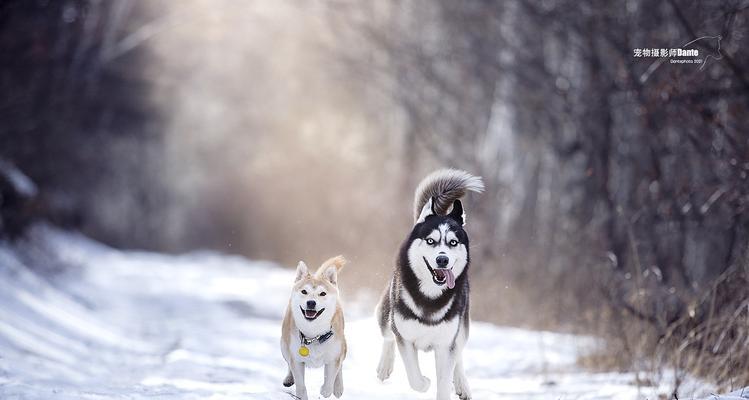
x=440, y=276
x=310, y=315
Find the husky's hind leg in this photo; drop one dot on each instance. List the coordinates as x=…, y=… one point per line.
x=387, y=358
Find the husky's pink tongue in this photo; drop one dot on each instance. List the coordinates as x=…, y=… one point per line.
x=450, y=278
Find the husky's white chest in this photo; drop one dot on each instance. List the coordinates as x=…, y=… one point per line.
x=319, y=354
x=426, y=337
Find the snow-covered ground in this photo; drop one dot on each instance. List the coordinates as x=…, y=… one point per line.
x=135, y=325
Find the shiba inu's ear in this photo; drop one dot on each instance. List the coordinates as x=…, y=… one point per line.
x=301, y=271
x=457, y=213
x=330, y=268
x=426, y=211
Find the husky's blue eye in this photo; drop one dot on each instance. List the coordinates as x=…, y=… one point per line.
x=430, y=241
x=304, y=291
x=322, y=293
x=453, y=243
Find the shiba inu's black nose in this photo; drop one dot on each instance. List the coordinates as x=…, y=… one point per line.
x=442, y=261
x=311, y=304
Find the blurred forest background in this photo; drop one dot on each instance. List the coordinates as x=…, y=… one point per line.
x=617, y=191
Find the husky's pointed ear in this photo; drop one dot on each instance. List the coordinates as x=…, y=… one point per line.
x=330, y=269
x=426, y=211
x=301, y=271
x=457, y=213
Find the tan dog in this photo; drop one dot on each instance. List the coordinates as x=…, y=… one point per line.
x=312, y=333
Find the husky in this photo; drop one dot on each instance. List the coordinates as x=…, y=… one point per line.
x=425, y=305
x=312, y=330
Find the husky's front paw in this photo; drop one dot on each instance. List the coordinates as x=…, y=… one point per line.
x=461, y=385
x=420, y=384
x=462, y=390
x=326, y=390
x=384, y=370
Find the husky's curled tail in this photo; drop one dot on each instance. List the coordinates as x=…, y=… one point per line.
x=445, y=186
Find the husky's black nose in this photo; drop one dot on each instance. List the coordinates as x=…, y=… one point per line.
x=311, y=304
x=442, y=261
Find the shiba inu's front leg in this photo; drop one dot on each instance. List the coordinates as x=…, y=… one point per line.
x=297, y=370
x=332, y=369
x=418, y=382
x=445, y=362
x=338, y=384
x=289, y=380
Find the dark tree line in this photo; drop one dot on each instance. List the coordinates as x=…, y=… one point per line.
x=76, y=114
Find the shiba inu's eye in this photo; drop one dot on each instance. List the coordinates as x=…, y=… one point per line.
x=304, y=291
x=322, y=294
x=453, y=243
x=430, y=241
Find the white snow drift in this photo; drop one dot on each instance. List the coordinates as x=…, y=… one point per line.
x=107, y=324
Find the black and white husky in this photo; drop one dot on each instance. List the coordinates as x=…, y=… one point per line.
x=425, y=306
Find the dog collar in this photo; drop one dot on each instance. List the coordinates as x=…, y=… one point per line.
x=319, y=338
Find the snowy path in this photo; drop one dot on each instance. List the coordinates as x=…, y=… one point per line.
x=133, y=325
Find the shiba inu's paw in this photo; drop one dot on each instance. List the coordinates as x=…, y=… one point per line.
x=338, y=388
x=301, y=395
x=289, y=380
x=421, y=384
x=326, y=390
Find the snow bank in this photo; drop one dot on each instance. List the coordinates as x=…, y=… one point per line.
x=138, y=325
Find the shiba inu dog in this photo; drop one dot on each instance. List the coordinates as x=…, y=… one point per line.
x=312, y=331
x=425, y=305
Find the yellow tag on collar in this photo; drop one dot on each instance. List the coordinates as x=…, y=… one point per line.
x=304, y=351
